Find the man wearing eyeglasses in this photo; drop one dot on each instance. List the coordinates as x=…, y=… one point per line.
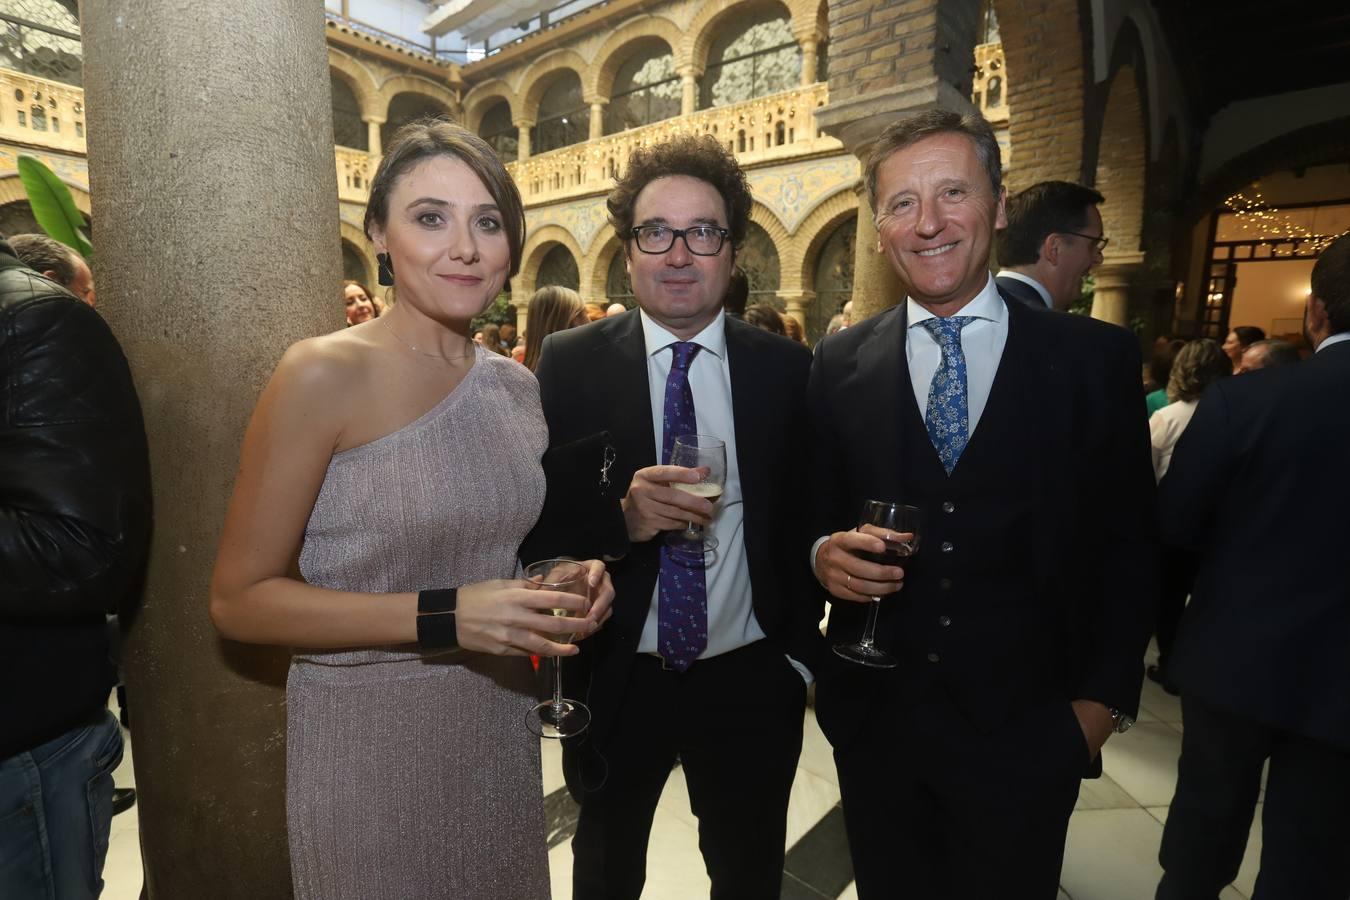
x=706, y=658
x=1054, y=237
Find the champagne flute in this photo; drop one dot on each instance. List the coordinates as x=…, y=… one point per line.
x=694, y=451
x=898, y=526
x=559, y=717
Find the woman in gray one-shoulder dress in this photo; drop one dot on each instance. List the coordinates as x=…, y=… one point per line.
x=401, y=461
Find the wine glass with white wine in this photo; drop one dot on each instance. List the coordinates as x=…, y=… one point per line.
x=559, y=717
x=694, y=451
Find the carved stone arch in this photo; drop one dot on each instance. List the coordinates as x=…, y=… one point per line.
x=541, y=73
x=416, y=84
x=11, y=191
x=811, y=234
x=360, y=80
x=809, y=19
x=537, y=245
x=595, y=271
x=613, y=53
x=698, y=37
x=353, y=235
x=1122, y=161
x=765, y=218
x=483, y=97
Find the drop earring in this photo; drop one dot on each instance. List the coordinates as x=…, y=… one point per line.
x=386, y=269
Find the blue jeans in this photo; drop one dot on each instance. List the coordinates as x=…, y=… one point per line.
x=55, y=814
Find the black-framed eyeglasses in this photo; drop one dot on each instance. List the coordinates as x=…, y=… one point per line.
x=701, y=240
x=1099, y=241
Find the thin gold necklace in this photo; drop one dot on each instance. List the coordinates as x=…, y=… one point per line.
x=435, y=356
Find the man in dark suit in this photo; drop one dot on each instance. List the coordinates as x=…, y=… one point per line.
x=1256, y=489
x=694, y=665
x=1053, y=238
x=1019, y=628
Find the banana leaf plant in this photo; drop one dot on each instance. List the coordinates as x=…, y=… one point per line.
x=53, y=206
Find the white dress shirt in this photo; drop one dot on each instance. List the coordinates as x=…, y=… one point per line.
x=1027, y=279
x=1333, y=339
x=982, y=343
x=731, y=613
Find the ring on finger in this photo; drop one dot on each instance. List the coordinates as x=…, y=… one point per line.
x=848, y=582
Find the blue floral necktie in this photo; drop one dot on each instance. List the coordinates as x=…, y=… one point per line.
x=948, y=417
x=682, y=588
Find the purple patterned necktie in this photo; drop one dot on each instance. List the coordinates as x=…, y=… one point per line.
x=682, y=607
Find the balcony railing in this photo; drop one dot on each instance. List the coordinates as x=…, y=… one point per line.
x=41, y=113
x=777, y=127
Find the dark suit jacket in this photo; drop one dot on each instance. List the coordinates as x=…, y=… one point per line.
x=1090, y=487
x=594, y=378
x=1021, y=291
x=1257, y=487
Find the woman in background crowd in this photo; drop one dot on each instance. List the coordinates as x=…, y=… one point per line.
x=793, y=328
x=1237, y=342
x=409, y=769
x=1197, y=365
x=551, y=309
x=359, y=302
x=762, y=315
x=492, y=338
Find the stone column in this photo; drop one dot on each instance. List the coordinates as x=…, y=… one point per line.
x=689, y=83
x=189, y=106
x=809, y=63
x=1114, y=277
x=794, y=304
x=523, y=138
x=876, y=288
x=373, y=136
x=858, y=122
x=597, y=120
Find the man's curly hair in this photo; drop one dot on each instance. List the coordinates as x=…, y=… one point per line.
x=698, y=156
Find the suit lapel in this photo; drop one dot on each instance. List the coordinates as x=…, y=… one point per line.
x=629, y=397
x=749, y=417
x=882, y=364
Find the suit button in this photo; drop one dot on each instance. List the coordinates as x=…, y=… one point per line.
x=945, y=584
x=947, y=547
x=933, y=657
x=948, y=506
x=944, y=621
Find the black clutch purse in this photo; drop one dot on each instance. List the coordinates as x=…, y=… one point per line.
x=581, y=517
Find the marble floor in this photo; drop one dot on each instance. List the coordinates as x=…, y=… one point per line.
x=1112, y=851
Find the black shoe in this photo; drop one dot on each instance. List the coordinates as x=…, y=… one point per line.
x=1158, y=674
x=123, y=799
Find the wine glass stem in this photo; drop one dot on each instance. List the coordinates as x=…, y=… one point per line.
x=870, y=631
x=557, y=685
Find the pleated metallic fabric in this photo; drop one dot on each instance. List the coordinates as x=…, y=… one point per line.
x=409, y=773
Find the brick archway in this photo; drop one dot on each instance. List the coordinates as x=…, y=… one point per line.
x=1046, y=56
x=1122, y=162
x=599, y=81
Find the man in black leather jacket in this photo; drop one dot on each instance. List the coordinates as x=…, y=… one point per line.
x=74, y=528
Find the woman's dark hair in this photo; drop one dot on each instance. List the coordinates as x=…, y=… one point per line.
x=1198, y=365
x=1248, y=335
x=430, y=137
x=762, y=315
x=551, y=309
x=698, y=156
x=492, y=338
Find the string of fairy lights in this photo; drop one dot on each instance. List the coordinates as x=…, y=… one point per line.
x=1254, y=216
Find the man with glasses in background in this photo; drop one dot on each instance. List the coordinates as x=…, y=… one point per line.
x=706, y=659
x=1054, y=237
